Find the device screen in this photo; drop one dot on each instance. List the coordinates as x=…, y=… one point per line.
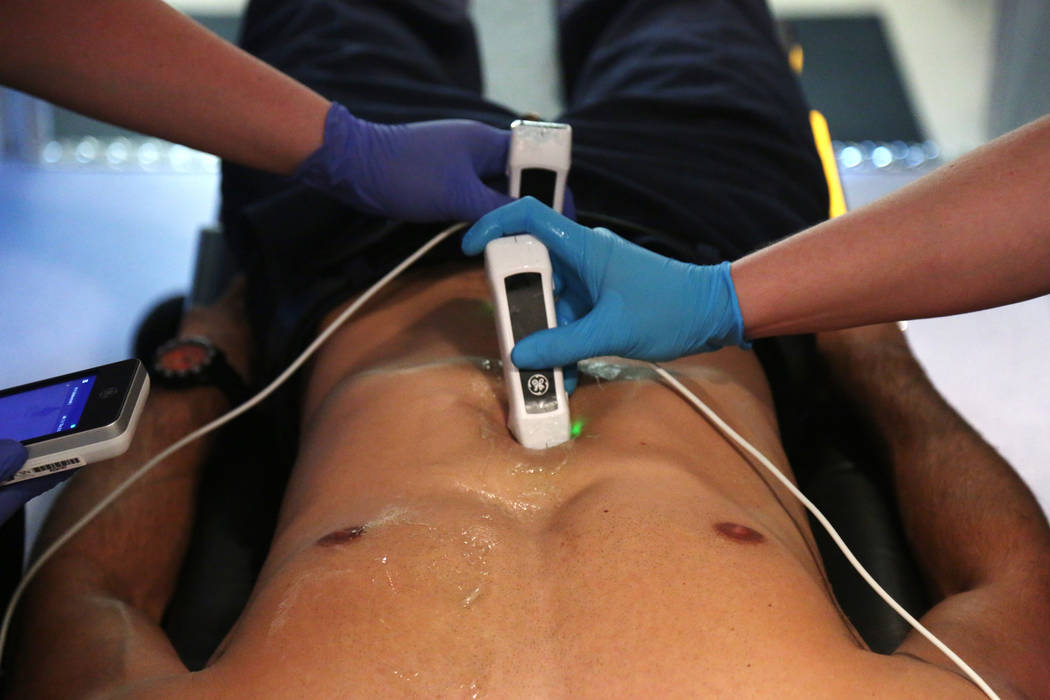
x=78, y=402
x=56, y=408
x=528, y=315
x=539, y=183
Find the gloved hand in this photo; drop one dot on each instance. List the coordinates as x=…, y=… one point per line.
x=615, y=298
x=424, y=171
x=12, y=457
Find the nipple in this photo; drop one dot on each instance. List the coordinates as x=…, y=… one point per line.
x=341, y=536
x=739, y=533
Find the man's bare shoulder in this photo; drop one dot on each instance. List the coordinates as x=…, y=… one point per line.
x=92, y=645
x=999, y=629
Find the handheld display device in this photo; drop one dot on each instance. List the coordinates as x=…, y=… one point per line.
x=520, y=276
x=68, y=421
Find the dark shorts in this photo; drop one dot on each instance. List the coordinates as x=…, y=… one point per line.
x=690, y=136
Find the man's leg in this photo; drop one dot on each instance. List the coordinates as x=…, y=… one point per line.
x=687, y=118
x=386, y=60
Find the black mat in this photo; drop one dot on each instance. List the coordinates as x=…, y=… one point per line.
x=853, y=78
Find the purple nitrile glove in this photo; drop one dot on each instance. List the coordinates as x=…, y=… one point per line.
x=423, y=171
x=614, y=297
x=12, y=457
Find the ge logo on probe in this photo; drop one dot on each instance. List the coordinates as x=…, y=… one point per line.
x=538, y=385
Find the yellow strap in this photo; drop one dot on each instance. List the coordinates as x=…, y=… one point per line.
x=822, y=137
x=796, y=58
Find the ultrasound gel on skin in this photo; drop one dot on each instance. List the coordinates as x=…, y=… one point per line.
x=520, y=277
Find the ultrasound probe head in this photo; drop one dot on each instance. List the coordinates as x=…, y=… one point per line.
x=538, y=161
x=520, y=278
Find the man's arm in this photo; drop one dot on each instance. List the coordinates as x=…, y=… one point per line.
x=971, y=235
x=145, y=66
x=979, y=535
x=90, y=621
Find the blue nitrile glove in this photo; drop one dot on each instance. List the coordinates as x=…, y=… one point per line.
x=616, y=298
x=424, y=171
x=12, y=457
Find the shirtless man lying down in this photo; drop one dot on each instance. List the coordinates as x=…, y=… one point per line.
x=421, y=551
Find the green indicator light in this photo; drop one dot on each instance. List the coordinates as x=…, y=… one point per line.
x=486, y=307
x=577, y=428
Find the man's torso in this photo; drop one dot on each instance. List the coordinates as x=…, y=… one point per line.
x=422, y=551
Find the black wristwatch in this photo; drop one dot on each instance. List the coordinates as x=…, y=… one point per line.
x=194, y=361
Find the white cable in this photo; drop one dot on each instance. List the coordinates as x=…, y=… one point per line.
x=218, y=422
x=750, y=449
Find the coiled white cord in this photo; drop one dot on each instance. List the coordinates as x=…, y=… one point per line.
x=726, y=430
x=340, y=320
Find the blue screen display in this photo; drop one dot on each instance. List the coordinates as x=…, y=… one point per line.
x=50, y=409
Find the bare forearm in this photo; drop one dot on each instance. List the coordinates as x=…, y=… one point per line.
x=967, y=515
x=973, y=234
x=143, y=65
x=98, y=602
x=136, y=545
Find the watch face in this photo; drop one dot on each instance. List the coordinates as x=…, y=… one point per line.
x=183, y=358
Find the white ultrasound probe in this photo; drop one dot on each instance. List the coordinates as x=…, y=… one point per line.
x=521, y=281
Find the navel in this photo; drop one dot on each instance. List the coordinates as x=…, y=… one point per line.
x=739, y=533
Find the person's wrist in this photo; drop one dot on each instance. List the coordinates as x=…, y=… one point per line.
x=318, y=169
x=208, y=360
x=224, y=325
x=734, y=333
x=713, y=305
x=234, y=351
x=195, y=361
